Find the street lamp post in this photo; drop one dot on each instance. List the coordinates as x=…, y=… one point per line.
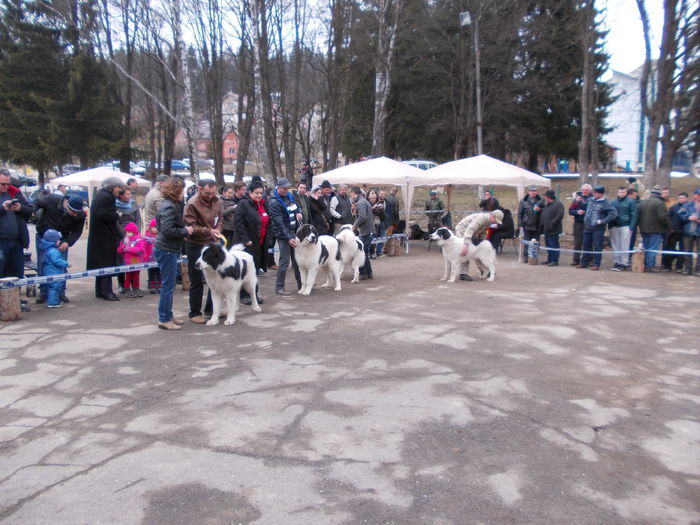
x=465, y=19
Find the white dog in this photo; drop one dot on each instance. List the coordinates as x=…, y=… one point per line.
x=226, y=271
x=352, y=251
x=316, y=252
x=483, y=254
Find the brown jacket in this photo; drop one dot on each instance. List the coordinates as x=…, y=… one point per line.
x=203, y=218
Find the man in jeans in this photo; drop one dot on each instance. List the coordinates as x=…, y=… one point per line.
x=599, y=213
x=621, y=228
x=285, y=216
x=654, y=222
x=204, y=214
x=690, y=218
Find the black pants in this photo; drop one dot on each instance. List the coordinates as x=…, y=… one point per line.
x=103, y=286
x=196, y=281
x=673, y=242
x=578, y=240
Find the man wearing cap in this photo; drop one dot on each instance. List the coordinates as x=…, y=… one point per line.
x=551, y=221
x=599, y=213
x=15, y=211
x=474, y=228
x=529, y=216
x=341, y=208
x=327, y=195
x=66, y=216
x=689, y=215
x=153, y=199
x=204, y=213
x=285, y=216
x=577, y=210
x=621, y=228
x=435, y=210
x=654, y=222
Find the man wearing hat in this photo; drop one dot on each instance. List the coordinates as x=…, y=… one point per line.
x=66, y=216
x=577, y=209
x=327, y=196
x=599, y=213
x=285, y=216
x=654, y=222
x=551, y=221
x=529, y=211
x=690, y=219
x=475, y=227
x=435, y=210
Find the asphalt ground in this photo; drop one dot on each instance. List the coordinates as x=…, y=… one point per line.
x=552, y=395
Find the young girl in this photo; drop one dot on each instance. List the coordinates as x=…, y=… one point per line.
x=133, y=248
x=154, y=283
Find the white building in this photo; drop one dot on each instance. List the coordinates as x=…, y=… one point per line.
x=625, y=117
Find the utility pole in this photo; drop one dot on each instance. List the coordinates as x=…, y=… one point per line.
x=465, y=19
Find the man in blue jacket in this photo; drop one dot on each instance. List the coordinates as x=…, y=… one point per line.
x=285, y=216
x=621, y=228
x=690, y=219
x=599, y=213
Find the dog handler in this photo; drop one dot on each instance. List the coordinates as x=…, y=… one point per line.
x=477, y=225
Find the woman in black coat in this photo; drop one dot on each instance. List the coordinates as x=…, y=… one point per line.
x=317, y=210
x=252, y=223
x=103, y=235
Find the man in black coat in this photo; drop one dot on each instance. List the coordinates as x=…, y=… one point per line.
x=551, y=221
x=529, y=216
x=66, y=216
x=103, y=235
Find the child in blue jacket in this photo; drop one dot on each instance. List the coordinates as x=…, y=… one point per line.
x=54, y=263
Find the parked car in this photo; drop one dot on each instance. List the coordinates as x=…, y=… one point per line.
x=421, y=164
x=178, y=165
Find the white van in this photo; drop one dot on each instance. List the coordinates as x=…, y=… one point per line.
x=421, y=164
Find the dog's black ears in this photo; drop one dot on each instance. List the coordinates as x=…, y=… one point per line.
x=444, y=233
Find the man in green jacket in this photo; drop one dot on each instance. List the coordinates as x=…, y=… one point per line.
x=654, y=222
x=622, y=227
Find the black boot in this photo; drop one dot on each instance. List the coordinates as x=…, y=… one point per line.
x=465, y=277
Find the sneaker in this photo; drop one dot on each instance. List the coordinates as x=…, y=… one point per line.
x=617, y=268
x=177, y=321
x=197, y=319
x=664, y=269
x=170, y=325
x=282, y=291
x=54, y=305
x=129, y=294
x=64, y=299
x=153, y=291
x=137, y=292
x=553, y=264
x=465, y=277
x=685, y=272
x=260, y=300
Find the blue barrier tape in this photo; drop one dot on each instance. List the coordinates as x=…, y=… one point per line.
x=663, y=252
x=99, y=272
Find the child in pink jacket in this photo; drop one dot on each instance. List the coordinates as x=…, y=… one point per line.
x=154, y=284
x=134, y=250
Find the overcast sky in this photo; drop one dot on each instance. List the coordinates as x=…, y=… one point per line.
x=625, y=40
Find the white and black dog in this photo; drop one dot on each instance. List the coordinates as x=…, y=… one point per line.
x=352, y=251
x=316, y=252
x=483, y=254
x=226, y=271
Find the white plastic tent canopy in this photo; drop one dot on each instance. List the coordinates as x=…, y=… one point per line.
x=93, y=178
x=381, y=171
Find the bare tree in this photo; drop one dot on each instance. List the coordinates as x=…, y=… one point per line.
x=669, y=91
x=387, y=12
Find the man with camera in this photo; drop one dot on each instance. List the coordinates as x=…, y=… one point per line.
x=14, y=235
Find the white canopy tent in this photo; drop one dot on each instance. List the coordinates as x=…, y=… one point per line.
x=482, y=170
x=93, y=178
x=379, y=171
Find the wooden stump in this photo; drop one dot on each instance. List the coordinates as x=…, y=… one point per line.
x=185, y=275
x=638, y=262
x=9, y=302
x=533, y=261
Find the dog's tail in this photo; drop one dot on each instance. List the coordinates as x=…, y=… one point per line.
x=237, y=247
